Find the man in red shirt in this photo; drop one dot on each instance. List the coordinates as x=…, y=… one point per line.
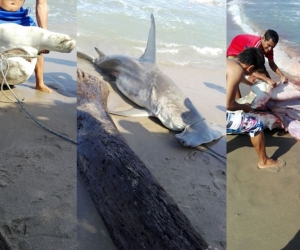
x=266, y=44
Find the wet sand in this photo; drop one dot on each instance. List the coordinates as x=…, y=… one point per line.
x=262, y=207
x=37, y=168
x=196, y=180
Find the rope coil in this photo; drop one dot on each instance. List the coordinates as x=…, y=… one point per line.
x=3, y=57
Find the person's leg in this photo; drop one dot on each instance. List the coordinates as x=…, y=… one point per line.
x=264, y=161
x=254, y=127
x=39, y=75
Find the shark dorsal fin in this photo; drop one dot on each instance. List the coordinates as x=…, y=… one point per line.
x=150, y=51
x=101, y=54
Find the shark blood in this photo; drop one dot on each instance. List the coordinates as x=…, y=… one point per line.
x=280, y=105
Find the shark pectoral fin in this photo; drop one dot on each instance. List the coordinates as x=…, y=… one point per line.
x=134, y=112
x=198, y=134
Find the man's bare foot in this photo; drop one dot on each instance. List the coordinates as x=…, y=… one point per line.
x=272, y=165
x=44, y=88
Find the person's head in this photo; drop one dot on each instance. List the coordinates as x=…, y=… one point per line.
x=251, y=59
x=11, y=5
x=269, y=40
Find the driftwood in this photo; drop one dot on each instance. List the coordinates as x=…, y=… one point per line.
x=136, y=210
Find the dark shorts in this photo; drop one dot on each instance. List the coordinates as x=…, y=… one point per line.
x=248, y=125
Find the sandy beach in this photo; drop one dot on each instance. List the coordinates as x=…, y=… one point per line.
x=37, y=168
x=262, y=207
x=196, y=180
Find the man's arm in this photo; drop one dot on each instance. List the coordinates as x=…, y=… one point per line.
x=247, y=82
x=274, y=67
x=264, y=78
x=41, y=10
x=234, y=76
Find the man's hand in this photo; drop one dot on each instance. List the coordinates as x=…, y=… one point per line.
x=247, y=108
x=271, y=83
x=44, y=52
x=284, y=79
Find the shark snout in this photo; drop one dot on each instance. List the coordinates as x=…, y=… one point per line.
x=67, y=44
x=60, y=43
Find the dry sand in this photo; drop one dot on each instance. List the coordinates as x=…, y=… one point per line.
x=37, y=168
x=196, y=180
x=262, y=207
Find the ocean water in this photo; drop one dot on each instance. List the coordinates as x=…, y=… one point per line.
x=188, y=32
x=61, y=15
x=256, y=16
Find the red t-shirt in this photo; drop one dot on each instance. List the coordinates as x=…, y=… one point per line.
x=241, y=42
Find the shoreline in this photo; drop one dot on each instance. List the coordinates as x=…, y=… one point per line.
x=234, y=29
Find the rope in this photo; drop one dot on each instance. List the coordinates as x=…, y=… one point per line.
x=14, y=55
x=3, y=58
x=207, y=150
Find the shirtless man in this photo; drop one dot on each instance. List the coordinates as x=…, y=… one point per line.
x=266, y=44
x=12, y=11
x=246, y=63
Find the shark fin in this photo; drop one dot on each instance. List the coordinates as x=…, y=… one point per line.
x=101, y=54
x=134, y=112
x=150, y=51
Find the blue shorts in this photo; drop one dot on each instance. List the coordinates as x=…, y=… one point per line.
x=20, y=17
x=248, y=125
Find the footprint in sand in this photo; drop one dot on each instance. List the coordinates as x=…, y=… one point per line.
x=18, y=227
x=206, y=190
x=219, y=173
x=43, y=153
x=193, y=156
x=219, y=180
x=4, y=178
x=219, y=184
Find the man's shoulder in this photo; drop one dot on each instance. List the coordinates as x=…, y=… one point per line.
x=246, y=38
x=232, y=62
x=233, y=67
